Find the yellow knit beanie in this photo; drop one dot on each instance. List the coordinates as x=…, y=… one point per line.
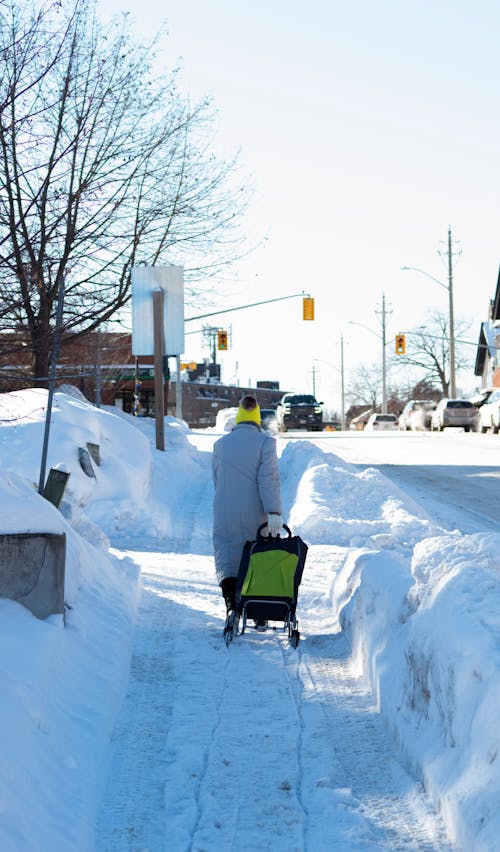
x=248, y=410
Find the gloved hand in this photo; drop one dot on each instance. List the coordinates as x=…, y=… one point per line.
x=274, y=524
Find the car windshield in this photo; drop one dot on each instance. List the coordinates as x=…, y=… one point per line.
x=385, y=418
x=300, y=397
x=459, y=403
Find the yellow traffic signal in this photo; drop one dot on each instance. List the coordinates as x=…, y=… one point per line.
x=308, y=308
x=400, y=344
x=222, y=341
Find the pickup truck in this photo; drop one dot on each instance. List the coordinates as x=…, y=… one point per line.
x=299, y=411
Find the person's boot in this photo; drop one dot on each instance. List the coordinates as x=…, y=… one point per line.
x=228, y=587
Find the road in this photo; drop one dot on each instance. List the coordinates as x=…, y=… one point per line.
x=454, y=475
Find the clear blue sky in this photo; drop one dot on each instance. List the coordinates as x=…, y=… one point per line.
x=369, y=128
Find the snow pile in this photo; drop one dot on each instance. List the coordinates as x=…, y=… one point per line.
x=425, y=633
x=421, y=609
x=54, y=720
x=419, y=605
x=125, y=453
x=328, y=502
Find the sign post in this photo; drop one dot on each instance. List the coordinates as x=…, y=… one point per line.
x=158, y=355
x=52, y=381
x=158, y=325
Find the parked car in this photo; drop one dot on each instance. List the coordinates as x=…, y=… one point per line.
x=381, y=423
x=489, y=411
x=268, y=419
x=417, y=415
x=454, y=412
x=299, y=411
x=480, y=399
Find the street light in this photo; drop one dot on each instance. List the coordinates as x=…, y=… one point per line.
x=449, y=287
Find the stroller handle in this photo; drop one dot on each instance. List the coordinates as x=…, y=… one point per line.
x=264, y=538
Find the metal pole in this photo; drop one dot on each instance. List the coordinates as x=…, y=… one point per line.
x=158, y=362
x=52, y=382
x=384, y=376
x=453, y=387
x=252, y=305
x=178, y=388
x=98, y=373
x=342, y=380
x=137, y=388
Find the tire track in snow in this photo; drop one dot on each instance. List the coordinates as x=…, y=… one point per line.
x=243, y=793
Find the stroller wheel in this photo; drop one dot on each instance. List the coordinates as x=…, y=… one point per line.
x=294, y=638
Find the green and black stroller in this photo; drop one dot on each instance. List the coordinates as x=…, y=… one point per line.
x=268, y=582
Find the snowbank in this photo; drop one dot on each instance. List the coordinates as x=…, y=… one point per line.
x=421, y=610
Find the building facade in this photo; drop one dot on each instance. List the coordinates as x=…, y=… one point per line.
x=102, y=367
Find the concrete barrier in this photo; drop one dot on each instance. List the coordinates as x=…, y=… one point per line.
x=32, y=569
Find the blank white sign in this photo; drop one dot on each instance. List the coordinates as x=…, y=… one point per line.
x=146, y=279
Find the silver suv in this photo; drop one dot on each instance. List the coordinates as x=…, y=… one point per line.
x=454, y=412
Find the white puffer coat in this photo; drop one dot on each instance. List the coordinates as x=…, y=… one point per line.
x=247, y=488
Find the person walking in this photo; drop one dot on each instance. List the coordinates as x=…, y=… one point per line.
x=247, y=495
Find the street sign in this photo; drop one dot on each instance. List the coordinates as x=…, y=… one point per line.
x=145, y=280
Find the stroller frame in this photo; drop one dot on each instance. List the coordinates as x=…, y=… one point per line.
x=277, y=607
x=263, y=606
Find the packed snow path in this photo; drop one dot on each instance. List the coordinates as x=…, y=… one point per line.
x=257, y=746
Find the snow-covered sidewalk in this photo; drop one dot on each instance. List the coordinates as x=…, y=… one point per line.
x=256, y=746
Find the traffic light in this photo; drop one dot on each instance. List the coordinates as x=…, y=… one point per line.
x=400, y=344
x=308, y=308
x=222, y=341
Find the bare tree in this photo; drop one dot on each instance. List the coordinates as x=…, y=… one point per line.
x=366, y=389
x=366, y=386
x=102, y=166
x=428, y=348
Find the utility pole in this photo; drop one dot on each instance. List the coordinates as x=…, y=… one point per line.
x=383, y=314
x=342, y=381
x=384, y=366
x=452, y=391
x=453, y=387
